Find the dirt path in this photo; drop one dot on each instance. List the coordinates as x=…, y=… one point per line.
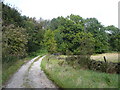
x=30, y=75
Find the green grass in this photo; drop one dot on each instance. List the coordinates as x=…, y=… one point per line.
x=66, y=76
x=8, y=71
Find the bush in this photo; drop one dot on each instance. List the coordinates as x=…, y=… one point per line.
x=14, y=42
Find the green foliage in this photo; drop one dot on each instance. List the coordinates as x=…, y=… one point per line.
x=72, y=34
x=49, y=41
x=59, y=40
x=93, y=26
x=113, y=34
x=14, y=41
x=116, y=42
x=41, y=52
x=11, y=16
x=67, y=33
x=21, y=35
x=83, y=43
x=35, y=33
x=76, y=19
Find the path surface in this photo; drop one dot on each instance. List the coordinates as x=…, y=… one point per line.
x=30, y=75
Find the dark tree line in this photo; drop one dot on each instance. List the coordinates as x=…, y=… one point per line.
x=21, y=35
x=77, y=35
x=73, y=34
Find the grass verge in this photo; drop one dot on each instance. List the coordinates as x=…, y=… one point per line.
x=66, y=76
x=8, y=70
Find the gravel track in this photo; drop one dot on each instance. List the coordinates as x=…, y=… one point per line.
x=30, y=75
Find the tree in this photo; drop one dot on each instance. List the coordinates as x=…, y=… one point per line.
x=59, y=39
x=83, y=43
x=76, y=19
x=113, y=35
x=49, y=41
x=66, y=30
x=11, y=16
x=93, y=26
x=36, y=33
x=14, y=41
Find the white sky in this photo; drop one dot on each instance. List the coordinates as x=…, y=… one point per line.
x=106, y=11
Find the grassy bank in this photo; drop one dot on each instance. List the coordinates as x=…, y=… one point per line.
x=8, y=69
x=66, y=76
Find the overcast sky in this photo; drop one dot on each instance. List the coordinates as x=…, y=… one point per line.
x=106, y=11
